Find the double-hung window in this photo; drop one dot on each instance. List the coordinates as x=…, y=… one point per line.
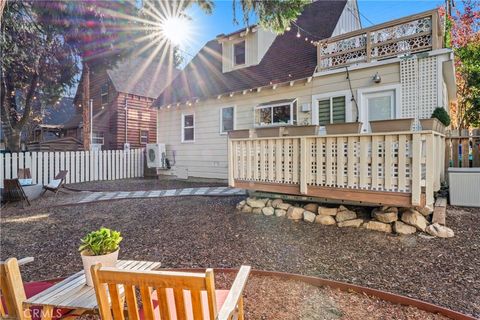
x=332, y=110
x=227, y=119
x=98, y=138
x=282, y=112
x=188, y=127
x=104, y=94
x=143, y=136
x=239, y=53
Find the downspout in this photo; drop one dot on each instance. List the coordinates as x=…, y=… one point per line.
x=126, y=119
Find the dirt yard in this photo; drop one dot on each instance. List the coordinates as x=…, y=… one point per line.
x=207, y=232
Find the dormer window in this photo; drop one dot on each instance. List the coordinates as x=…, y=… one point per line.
x=239, y=53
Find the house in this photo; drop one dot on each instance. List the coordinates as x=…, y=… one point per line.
x=121, y=98
x=325, y=70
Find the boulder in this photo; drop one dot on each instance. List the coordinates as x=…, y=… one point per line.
x=269, y=203
x=350, y=223
x=241, y=204
x=385, y=216
x=257, y=210
x=403, y=228
x=327, y=211
x=268, y=211
x=295, y=213
x=276, y=202
x=256, y=203
x=389, y=209
x=283, y=206
x=378, y=226
x=280, y=212
x=247, y=209
x=425, y=211
x=309, y=216
x=415, y=218
x=312, y=207
x=325, y=220
x=437, y=230
x=342, y=208
x=345, y=215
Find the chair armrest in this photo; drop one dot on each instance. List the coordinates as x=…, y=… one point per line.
x=233, y=297
x=26, y=260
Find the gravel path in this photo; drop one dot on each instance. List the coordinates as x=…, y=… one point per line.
x=206, y=232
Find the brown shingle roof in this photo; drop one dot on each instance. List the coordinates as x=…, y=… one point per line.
x=288, y=58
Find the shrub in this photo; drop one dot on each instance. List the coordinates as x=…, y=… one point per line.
x=100, y=242
x=442, y=115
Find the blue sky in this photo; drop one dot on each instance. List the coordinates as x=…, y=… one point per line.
x=207, y=27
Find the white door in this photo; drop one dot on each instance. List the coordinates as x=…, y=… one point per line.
x=377, y=106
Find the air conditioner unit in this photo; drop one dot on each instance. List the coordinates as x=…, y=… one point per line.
x=157, y=156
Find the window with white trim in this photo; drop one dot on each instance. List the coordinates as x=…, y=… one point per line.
x=332, y=110
x=104, y=94
x=143, y=136
x=239, y=53
x=98, y=138
x=380, y=105
x=227, y=119
x=276, y=114
x=188, y=127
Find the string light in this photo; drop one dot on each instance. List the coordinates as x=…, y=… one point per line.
x=298, y=32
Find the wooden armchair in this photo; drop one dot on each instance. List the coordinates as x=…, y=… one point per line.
x=13, y=192
x=56, y=183
x=167, y=295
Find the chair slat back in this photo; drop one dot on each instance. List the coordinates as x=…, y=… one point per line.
x=12, y=190
x=187, y=290
x=24, y=174
x=13, y=292
x=61, y=175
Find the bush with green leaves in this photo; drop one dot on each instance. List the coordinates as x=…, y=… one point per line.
x=100, y=242
x=442, y=115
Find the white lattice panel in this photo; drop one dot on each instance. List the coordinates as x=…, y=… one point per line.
x=427, y=89
x=409, y=80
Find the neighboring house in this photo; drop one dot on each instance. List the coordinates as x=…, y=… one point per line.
x=122, y=99
x=254, y=79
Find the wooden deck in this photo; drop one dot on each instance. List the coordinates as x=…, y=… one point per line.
x=400, y=168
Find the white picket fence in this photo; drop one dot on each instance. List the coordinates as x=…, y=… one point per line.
x=82, y=166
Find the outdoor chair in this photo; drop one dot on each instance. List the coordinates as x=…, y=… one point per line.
x=56, y=183
x=14, y=292
x=13, y=192
x=167, y=294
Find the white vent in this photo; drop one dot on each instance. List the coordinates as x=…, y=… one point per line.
x=157, y=156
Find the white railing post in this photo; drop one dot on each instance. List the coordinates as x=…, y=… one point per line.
x=430, y=169
x=416, y=169
x=303, y=165
x=231, y=177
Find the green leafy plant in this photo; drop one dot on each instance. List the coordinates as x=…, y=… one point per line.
x=100, y=242
x=442, y=115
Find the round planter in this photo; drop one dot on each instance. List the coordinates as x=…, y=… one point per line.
x=107, y=260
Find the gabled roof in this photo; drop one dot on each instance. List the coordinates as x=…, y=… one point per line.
x=288, y=58
x=141, y=76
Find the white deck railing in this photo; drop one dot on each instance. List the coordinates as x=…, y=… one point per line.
x=403, y=162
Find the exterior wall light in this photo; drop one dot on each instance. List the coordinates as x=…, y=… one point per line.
x=376, y=78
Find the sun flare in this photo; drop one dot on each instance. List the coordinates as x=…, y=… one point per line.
x=176, y=29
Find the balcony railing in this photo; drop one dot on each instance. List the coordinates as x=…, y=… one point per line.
x=416, y=33
x=398, y=168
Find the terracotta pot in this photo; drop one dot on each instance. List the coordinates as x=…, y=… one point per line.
x=269, y=132
x=241, y=134
x=344, y=128
x=432, y=124
x=392, y=125
x=301, y=131
x=107, y=260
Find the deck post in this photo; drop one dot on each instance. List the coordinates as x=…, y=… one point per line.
x=231, y=181
x=416, y=168
x=430, y=174
x=303, y=165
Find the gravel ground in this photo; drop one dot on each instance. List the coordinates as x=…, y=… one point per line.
x=206, y=232
x=144, y=184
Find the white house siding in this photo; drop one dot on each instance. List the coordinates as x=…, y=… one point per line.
x=349, y=19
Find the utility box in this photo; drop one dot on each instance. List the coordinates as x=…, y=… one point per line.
x=464, y=186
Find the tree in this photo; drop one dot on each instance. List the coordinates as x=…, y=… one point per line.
x=463, y=36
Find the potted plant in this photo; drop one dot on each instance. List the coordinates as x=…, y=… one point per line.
x=438, y=122
x=391, y=125
x=100, y=246
x=343, y=128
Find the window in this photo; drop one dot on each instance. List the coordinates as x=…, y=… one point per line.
x=281, y=113
x=331, y=110
x=227, y=121
x=381, y=105
x=104, y=94
x=143, y=136
x=188, y=128
x=239, y=53
x=97, y=138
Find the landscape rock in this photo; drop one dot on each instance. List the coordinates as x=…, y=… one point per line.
x=247, y=209
x=403, y=228
x=350, y=223
x=378, y=226
x=389, y=209
x=276, y=202
x=327, y=211
x=280, y=212
x=257, y=210
x=283, y=206
x=415, y=218
x=269, y=203
x=268, y=211
x=385, y=217
x=342, y=208
x=440, y=231
x=325, y=220
x=256, y=203
x=309, y=216
x=425, y=211
x=312, y=207
x=295, y=213
x=241, y=204
x=345, y=215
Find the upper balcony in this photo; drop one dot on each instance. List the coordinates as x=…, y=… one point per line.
x=408, y=35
